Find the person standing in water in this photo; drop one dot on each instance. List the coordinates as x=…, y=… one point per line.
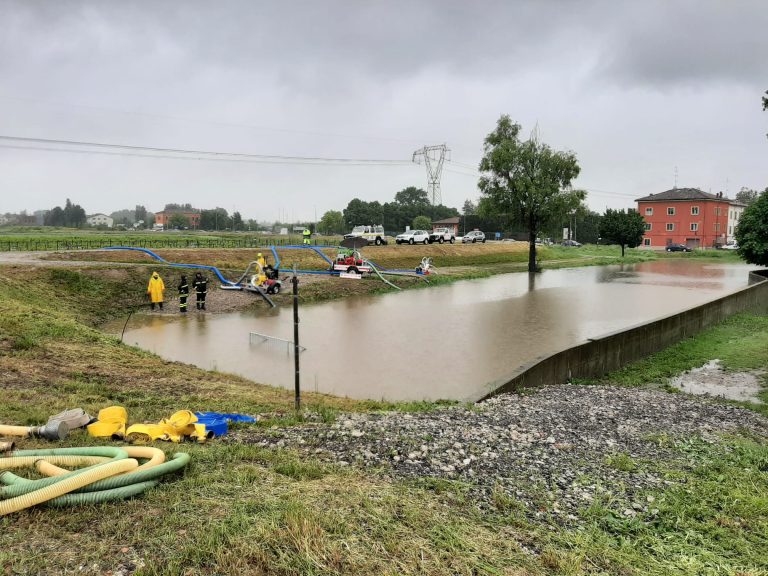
x=183, y=294
x=155, y=289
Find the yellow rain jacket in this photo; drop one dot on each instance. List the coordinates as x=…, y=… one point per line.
x=156, y=288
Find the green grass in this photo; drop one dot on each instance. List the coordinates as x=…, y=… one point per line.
x=740, y=343
x=712, y=520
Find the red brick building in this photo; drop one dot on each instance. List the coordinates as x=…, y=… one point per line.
x=193, y=217
x=684, y=216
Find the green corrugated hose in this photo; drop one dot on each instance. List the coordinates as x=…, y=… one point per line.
x=103, y=482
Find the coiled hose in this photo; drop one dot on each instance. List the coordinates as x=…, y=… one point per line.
x=111, y=474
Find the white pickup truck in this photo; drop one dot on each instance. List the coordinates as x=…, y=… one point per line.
x=442, y=235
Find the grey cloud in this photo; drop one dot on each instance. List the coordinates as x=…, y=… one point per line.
x=673, y=43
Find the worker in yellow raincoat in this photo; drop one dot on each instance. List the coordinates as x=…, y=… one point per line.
x=307, y=237
x=261, y=260
x=155, y=289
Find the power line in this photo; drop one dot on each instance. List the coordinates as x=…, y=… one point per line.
x=187, y=158
x=201, y=121
x=207, y=154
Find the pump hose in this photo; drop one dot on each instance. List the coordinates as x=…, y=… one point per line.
x=118, y=478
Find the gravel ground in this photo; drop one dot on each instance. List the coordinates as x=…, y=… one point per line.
x=552, y=452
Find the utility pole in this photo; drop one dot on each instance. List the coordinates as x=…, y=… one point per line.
x=434, y=157
x=296, y=347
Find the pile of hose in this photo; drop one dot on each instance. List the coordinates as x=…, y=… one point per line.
x=110, y=473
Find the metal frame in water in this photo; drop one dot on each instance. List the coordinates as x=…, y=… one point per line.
x=273, y=340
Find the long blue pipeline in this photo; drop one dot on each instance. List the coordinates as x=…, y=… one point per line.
x=218, y=273
x=213, y=269
x=317, y=250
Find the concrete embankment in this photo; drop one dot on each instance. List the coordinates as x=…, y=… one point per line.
x=598, y=356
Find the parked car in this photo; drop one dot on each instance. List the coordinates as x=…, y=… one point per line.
x=412, y=237
x=571, y=243
x=474, y=236
x=677, y=248
x=442, y=235
x=373, y=234
x=733, y=246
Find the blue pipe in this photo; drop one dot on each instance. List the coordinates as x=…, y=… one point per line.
x=173, y=264
x=277, y=258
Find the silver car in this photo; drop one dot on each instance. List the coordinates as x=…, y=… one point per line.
x=474, y=236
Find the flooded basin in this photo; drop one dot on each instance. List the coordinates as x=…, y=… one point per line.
x=446, y=342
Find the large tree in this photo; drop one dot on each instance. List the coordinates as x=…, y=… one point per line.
x=752, y=231
x=527, y=180
x=361, y=213
x=746, y=196
x=422, y=223
x=216, y=219
x=332, y=222
x=140, y=215
x=177, y=220
x=623, y=228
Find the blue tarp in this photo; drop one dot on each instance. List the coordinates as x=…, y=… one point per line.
x=218, y=422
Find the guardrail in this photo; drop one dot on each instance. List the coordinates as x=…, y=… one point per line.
x=94, y=244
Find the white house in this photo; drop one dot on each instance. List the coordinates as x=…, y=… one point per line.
x=99, y=220
x=735, y=210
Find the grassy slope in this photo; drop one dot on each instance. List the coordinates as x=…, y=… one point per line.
x=271, y=512
x=740, y=343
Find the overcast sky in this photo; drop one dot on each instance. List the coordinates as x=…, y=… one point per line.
x=635, y=89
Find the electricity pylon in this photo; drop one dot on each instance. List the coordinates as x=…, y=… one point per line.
x=434, y=156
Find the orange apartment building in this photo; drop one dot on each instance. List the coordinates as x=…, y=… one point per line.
x=687, y=216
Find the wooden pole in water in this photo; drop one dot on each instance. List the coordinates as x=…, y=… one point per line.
x=297, y=381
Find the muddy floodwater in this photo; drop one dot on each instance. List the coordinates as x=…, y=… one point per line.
x=447, y=342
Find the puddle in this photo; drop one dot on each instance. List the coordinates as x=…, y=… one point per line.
x=712, y=380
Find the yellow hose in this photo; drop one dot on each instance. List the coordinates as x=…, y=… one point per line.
x=24, y=461
x=155, y=455
x=66, y=486
x=6, y=430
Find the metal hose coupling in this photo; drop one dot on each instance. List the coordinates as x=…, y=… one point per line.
x=54, y=430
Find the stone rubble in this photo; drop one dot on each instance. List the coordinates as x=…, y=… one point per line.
x=550, y=453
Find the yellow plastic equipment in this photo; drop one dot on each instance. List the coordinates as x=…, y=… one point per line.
x=110, y=423
x=180, y=425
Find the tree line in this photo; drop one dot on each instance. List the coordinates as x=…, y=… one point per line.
x=407, y=205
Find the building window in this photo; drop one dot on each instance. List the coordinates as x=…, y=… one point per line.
x=694, y=210
x=647, y=226
x=646, y=241
x=717, y=226
x=670, y=211
x=730, y=230
x=649, y=211
x=670, y=227
x=717, y=211
x=694, y=226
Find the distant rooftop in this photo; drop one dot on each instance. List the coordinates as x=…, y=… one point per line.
x=683, y=194
x=451, y=220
